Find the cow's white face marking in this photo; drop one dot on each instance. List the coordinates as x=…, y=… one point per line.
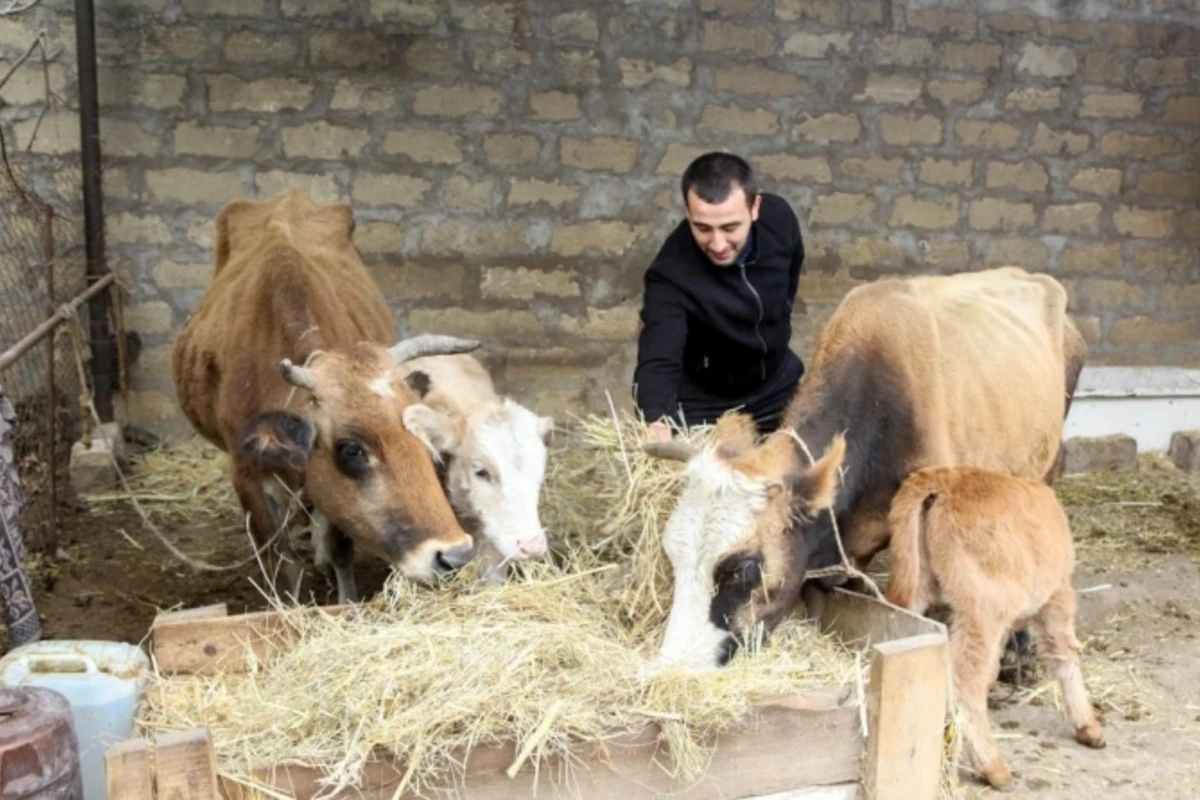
x=497, y=476
x=717, y=508
x=382, y=386
x=497, y=467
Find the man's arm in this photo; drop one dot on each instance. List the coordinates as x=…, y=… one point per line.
x=797, y=264
x=660, y=350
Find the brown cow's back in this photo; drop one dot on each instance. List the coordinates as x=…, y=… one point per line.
x=292, y=254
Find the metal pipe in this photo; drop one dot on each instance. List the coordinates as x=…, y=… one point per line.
x=64, y=313
x=100, y=331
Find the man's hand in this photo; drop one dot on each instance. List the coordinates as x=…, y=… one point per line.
x=660, y=431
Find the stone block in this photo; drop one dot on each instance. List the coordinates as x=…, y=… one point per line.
x=755, y=80
x=424, y=145
x=1144, y=223
x=828, y=128
x=612, y=153
x=957, y=92
x=1099, y=454
x=1185, y=450
x=508, y=149
x=1026, y=176
x=987, y=135
x=1097, y=181
x=737, y=120
x=901, y=90
x=947, y=171
x=555, y=106
x=841, y=208
x=93, y=469
x=875, y=169
x=1047, y=61
x=457, y=101
x=907, y=130
x=639, y=72
x=534, y=191
x=1112, y=105
x=817, y=45
x=916, y=212
x=787, y=167
x=1072, y=218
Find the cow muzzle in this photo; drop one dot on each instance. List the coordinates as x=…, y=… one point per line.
x=437, y=558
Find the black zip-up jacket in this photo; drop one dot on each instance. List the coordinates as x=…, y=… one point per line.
x=728, y=327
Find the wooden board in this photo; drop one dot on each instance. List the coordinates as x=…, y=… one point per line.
x=812, y=741
x=764, y=755
x=907, y=714
x=211, y=642
x=863, y=620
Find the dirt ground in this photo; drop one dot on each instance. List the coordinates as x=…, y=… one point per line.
x=1139, y=615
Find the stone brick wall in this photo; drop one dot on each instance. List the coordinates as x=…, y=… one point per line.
x=513, y=165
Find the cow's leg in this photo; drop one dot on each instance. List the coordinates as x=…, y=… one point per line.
x=1056, y=624
x=267, y=529
x=975, y=646
x=334, y=553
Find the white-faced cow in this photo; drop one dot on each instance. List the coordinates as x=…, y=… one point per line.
x=290, y=364
x=998, y=550
x=493, y=452
x=976, y=368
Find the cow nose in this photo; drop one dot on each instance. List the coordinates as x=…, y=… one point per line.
x=455, y=558
x=533, y=547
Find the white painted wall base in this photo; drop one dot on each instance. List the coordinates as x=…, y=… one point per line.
x=1147, y=403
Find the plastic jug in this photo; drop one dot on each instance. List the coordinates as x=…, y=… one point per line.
x=103, y=682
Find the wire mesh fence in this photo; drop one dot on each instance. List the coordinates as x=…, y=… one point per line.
x=41, y=267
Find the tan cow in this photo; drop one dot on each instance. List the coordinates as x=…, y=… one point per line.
x=494, y=455
x=997, y=549
x=290, y=365
x=976, y=368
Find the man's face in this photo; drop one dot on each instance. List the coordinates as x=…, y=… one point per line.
x=721, y=229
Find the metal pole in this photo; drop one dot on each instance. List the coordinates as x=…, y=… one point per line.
x=100, y=333
x=63, y=314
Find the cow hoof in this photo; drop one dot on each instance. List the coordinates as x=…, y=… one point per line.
x=1092, y=736
x=998, y=776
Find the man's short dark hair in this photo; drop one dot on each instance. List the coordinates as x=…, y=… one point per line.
x=714, y=175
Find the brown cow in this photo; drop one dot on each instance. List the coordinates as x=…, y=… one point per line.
x=997, y=549
x=290, y=289
x=975, y=368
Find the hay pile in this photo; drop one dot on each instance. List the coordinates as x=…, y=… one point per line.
x=557, y=657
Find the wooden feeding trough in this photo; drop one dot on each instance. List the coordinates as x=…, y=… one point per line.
x=883, y=741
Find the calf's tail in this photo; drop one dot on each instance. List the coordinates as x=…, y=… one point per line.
x=906, y=522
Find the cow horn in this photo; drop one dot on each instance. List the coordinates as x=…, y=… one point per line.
x=676, y=451
x=430, y=344
x=298, y=376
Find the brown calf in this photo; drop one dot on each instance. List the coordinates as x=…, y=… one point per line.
x=290, y=364
x=998, y=550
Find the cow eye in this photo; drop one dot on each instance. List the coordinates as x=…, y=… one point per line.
x=482, y=474
x=350, y=457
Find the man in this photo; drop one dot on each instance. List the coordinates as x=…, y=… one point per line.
x=717, y=309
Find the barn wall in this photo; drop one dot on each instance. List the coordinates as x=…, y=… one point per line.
x=513, y=165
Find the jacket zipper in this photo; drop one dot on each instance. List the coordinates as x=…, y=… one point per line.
x=757, y=333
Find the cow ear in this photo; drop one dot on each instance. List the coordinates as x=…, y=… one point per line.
x=435, y=430
x=816, y=487
x=545, y=425
x=278, y=440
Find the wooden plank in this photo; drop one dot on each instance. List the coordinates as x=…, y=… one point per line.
x=906, y=713
x=127, y=771
x=209, y=644
x=185, y=767
x=862, y=620
x=764, y=755
x=842, y=791
x=201, y=612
